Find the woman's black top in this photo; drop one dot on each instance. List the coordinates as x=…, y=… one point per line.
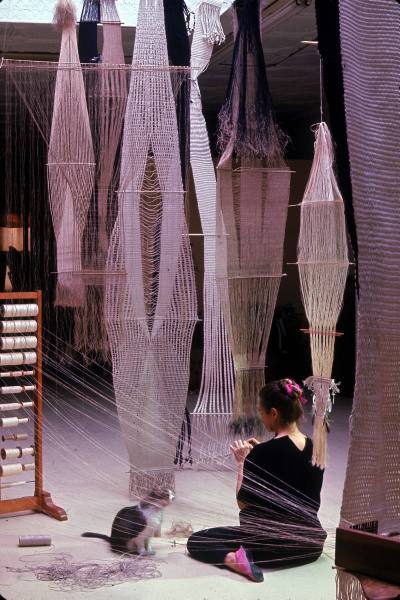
x=281, y=484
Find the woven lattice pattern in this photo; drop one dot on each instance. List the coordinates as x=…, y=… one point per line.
x=253, y=194
x=253, y=203
x=371, y=76
x=151, y=311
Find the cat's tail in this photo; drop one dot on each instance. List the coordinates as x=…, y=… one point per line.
x=101, y=536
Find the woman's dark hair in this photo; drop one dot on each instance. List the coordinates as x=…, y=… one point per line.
x=286, y=397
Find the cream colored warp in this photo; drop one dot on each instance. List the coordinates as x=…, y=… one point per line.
x=323, y=265
x=71, y=164
x=253, y=202
x=217, y=385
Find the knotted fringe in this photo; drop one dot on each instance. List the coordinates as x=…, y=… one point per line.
x=208, y=15
x=324, y=390
x=247, y=126
x=348, y=587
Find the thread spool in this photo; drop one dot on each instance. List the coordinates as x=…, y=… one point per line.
x=14, y=437
x=19, y=310
x=18, y=358
x=28, y=467
x=18, y=326
x=16, y=389
x=9, y=470
x=15, y=406
x=34, y=540
x=21, y=341
x=19, y=452
x=6, y=374
x=13, y=421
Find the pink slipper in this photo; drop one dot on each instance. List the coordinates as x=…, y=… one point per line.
x=251, y=570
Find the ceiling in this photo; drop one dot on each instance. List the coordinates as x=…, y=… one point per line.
x=293, y=67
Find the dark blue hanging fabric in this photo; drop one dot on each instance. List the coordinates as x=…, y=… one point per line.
x=176, y=16
x=87, y=35
x=246, y=120
x=327, y=12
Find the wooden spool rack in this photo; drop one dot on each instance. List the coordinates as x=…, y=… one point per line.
x=40, y=501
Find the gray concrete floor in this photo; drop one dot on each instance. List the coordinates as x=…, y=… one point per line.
x=91, y=485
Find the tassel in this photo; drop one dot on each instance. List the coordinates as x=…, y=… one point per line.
x=208, y=14
x=64, y=15
x=324, y=390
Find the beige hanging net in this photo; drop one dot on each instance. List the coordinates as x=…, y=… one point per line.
x=323, y=265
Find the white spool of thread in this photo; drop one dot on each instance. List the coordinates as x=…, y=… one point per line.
x=5, y=374
x=15, y=406
x=29, y=358
x=15, y=343
x=14, y=437
x=34, y=540
x=13, y=421
x=8, y=470
x=19, y=310
x=16, y=389
x=18, y=358
x=27, y=326
x=28, y=467
x=18, y=452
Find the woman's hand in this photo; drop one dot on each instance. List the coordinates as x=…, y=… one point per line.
x=253, y=442
x=240, y=450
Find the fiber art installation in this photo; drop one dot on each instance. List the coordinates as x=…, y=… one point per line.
x=151, y=309
x=372, y=485
x=253, y=193
x=71, y=165
x=215, y=401
x=111, y=110
x=323, y=265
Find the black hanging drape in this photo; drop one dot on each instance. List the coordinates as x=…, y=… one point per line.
x=327, y=12
x=176, y=16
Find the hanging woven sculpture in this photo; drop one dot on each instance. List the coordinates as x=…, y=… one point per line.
x=87, y=35
x=253, y=194
x=112, y=51
x=111, y=111
x=151, y=311
x=323, y=265
x=370, y=51
x=70, y=161
x=215, y=401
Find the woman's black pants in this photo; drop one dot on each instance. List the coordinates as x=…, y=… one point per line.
x=212, y=545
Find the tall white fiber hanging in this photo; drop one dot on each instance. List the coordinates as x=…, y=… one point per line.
x=215, y=399
x=70, y=161
x=151, y=310
x=323, y=265
x=253, y=195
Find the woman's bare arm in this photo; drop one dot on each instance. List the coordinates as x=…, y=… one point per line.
x=241, y=449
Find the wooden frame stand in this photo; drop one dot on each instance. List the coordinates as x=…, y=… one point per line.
x=40, y=501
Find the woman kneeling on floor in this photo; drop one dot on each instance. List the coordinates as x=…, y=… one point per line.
x=278, y=493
